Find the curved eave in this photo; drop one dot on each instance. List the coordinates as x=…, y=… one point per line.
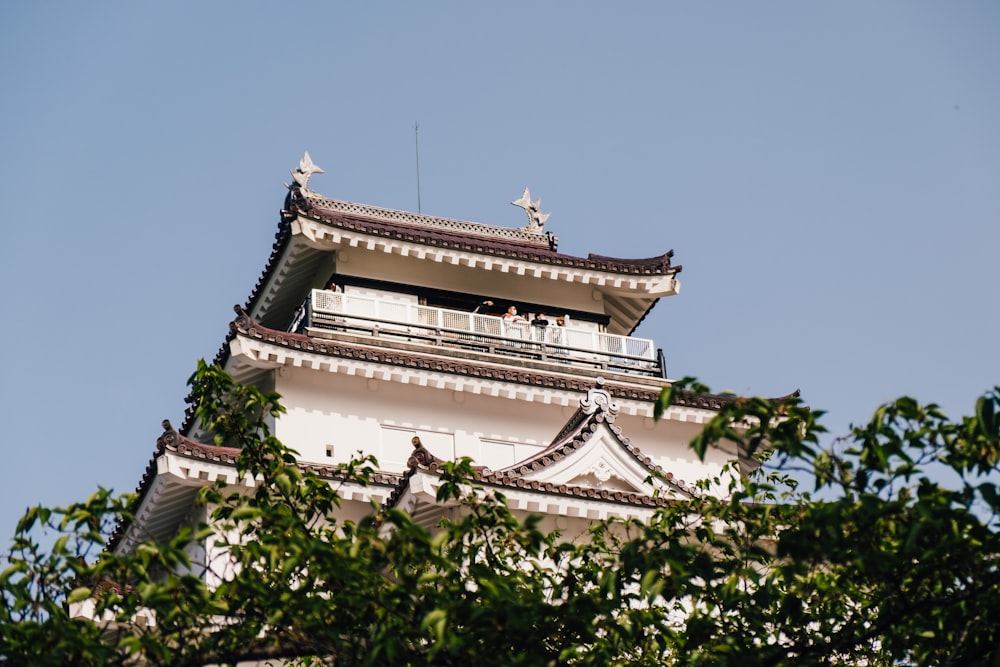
x=323, y=207
x=253, y=348
x=420, y=492
x=309, y=233
x=307, y=261
x=496, y=248
x=180, y=467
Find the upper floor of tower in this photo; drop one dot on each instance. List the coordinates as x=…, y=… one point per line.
x=345, y=270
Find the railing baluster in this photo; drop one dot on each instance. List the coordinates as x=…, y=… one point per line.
x=483, y=332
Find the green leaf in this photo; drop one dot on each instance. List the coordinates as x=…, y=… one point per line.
x=664, y=402
x=754, y=570
x=986, y=416
x=652, y=584
x=78, y=595
x=435, y=621
x=28, y=520
x=17, y=567
x=990, y=495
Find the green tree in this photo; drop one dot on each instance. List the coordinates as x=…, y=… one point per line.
x=888, y=564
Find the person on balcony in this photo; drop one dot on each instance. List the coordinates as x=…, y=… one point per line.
x=512, y=316
x=481, y=324
x=298, y=321
x=330, y=303
x=558, y=335
x=539, y=325
x=513, y=323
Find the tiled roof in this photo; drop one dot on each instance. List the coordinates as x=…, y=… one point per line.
x=315, y=206
x=172, y=441
x=465, y=236
x=167, y=440
x=516, y=481
x=457, y=235
x=244, y=325
x=609, y=495
x=581, y=427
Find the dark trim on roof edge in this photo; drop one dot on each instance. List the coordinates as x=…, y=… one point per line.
x=564, y=445
x=245, y=325
x=296, y=203
x=423, y=460
x=650, y=266
x=172, y=440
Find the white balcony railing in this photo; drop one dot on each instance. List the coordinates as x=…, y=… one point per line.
x=351, y=312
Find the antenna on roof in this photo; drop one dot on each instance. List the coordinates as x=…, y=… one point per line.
x=416, y=141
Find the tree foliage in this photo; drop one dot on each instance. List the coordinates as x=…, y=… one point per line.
x=891, y=559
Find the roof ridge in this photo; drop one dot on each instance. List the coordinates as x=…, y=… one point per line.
x=308, y=201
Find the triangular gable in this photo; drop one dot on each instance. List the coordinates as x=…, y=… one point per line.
x=591, y=451
x=599, y=462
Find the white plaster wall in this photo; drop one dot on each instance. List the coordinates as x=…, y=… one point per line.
x=332, y=417
x=667, y=442
x=351, y=414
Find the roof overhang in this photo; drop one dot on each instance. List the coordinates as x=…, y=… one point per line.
x=307, y=253
x=182, y=467
x=420, y=495
x=253, y=349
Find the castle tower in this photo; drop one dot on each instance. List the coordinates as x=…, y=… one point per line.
x=385, y=333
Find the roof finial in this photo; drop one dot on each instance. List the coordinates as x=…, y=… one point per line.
x=306, y=169
x=536, y=219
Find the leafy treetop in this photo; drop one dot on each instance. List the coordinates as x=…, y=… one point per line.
x=891, y=559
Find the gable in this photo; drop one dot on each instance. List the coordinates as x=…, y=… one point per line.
x=602, y=463
x=591, y=452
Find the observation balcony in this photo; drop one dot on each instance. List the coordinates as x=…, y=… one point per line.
x=575, y=345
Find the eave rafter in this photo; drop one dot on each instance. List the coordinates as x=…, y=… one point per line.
x=181, y=466
x=239, y=356
x=322, y=236
x=504, y=383
x=321, y=225
x=556, y=500
x=253, y=347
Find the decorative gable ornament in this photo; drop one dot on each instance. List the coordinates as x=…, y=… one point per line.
x=598, y=398
x=536, y=219
x=596, y=460
x=591, y=452
x=305, y=169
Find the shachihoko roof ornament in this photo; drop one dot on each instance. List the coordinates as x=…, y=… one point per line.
x=306, y=169
x=536, y=219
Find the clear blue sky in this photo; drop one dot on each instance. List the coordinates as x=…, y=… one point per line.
x=828, y=174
